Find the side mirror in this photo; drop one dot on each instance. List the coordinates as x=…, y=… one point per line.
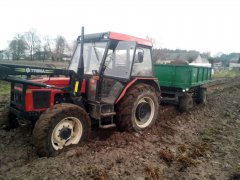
x=94, y=72
x=140, y=57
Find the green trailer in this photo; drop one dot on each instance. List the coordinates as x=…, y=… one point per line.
x=182, y=84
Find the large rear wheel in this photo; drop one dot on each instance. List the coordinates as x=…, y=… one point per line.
x=138, y=110
x=60, y=126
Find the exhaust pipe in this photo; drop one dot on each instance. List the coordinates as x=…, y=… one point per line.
x=81, y=63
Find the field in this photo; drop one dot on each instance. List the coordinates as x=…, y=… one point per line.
x=226, y=73
x=200, y=144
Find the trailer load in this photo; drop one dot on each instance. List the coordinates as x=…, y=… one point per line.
x=181, y=84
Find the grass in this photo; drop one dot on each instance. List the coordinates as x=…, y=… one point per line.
x=4, y=88
x=226, y=73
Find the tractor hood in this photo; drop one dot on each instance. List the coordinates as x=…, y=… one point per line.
x=54, y=81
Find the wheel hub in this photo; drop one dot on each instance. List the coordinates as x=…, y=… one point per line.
x=65, y=133
x=143, y=112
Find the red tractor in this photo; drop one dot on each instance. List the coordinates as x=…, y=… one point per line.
x=110, y=81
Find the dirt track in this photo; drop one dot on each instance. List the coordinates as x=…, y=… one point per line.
x=201, y=144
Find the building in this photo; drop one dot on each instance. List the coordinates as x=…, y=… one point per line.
x=218, y=65
x=192, y=58
x=234, y=66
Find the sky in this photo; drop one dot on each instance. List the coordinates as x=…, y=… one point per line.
x=204, y=25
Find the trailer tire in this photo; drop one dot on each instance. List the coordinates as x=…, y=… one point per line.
x=138, y=110
x=201, y=96
x=185, y=103
x=60, y=126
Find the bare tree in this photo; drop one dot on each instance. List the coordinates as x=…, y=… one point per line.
x=47, y=47
x=60, y=45
x=156, y=49
x=206, y=55
x=7, y=53
x=211, y=61
x=153, y=40
x=70, y=47
x=156, y=55
x=17, y=47
x=33, y=42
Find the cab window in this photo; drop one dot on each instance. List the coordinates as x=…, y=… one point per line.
x=142, y=62
x=118, y=62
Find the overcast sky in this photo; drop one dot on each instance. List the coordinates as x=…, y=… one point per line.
x=203, y=25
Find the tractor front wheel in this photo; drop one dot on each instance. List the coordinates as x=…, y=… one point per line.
x=138, y=109
x=60, y=126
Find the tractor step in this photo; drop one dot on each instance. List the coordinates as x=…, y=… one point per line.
x=107, y=122
x=107, y=126
x=108, y=114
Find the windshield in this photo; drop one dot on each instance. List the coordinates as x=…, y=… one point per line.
x=92, y=55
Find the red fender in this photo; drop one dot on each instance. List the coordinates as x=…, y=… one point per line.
x=129, y=85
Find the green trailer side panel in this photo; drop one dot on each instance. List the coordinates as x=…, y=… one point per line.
x=181, y=76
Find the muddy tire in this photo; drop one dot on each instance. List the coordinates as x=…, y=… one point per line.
x=12, y=121
x=60, y=126
x=185, y=103
x=8, y=119
x=138, y=110
x=201, y=96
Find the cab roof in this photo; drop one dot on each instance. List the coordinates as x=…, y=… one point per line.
x=115, y=36
x=124, y=37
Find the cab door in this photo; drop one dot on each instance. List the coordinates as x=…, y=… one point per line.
x=117, y=73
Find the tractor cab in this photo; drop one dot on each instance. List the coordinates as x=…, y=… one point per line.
x=111, y=60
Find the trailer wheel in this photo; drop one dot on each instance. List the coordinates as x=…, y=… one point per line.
x=201, y=96
x=60, y=126
x=185, y=103
x=138, y=109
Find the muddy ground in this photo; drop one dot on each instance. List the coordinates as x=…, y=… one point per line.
x=201, y=144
